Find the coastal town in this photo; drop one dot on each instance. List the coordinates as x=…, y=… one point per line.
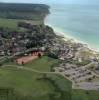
x=36, y=63
x=79, y=64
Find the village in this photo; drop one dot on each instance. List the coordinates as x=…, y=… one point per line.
x=78, y=64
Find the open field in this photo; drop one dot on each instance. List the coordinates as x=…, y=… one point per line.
x=43, y=64
x=85, y=95
x=27, y=83
x=12, y=23
x=23, y=81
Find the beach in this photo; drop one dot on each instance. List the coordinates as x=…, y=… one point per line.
x=67, y=37
x=80, y=23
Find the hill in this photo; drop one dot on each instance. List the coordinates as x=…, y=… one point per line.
x=23, y=11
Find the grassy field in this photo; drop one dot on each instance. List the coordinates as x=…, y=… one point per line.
x=26, y=83
x=43, y=64
x=12, y=23
x=85, y=95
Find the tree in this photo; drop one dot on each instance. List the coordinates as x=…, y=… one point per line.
x=39, y=55
x=22, y=62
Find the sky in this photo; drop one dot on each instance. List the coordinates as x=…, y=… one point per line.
x=89, y=2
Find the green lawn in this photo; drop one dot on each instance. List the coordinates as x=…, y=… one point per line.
x=43, y=64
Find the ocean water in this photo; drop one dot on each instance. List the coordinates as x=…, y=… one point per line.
x=76, y=21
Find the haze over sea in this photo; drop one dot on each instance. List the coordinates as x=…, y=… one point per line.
x=80, y=22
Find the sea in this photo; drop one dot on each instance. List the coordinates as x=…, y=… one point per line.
x=79, y=22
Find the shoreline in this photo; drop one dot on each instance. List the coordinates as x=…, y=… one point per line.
x=66, y=37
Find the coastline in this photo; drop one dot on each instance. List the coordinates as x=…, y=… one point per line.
x=66, y=37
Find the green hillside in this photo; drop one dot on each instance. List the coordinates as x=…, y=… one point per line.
x=23, y=11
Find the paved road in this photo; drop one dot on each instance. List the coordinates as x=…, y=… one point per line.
x=88, y=65
x=88, y=86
